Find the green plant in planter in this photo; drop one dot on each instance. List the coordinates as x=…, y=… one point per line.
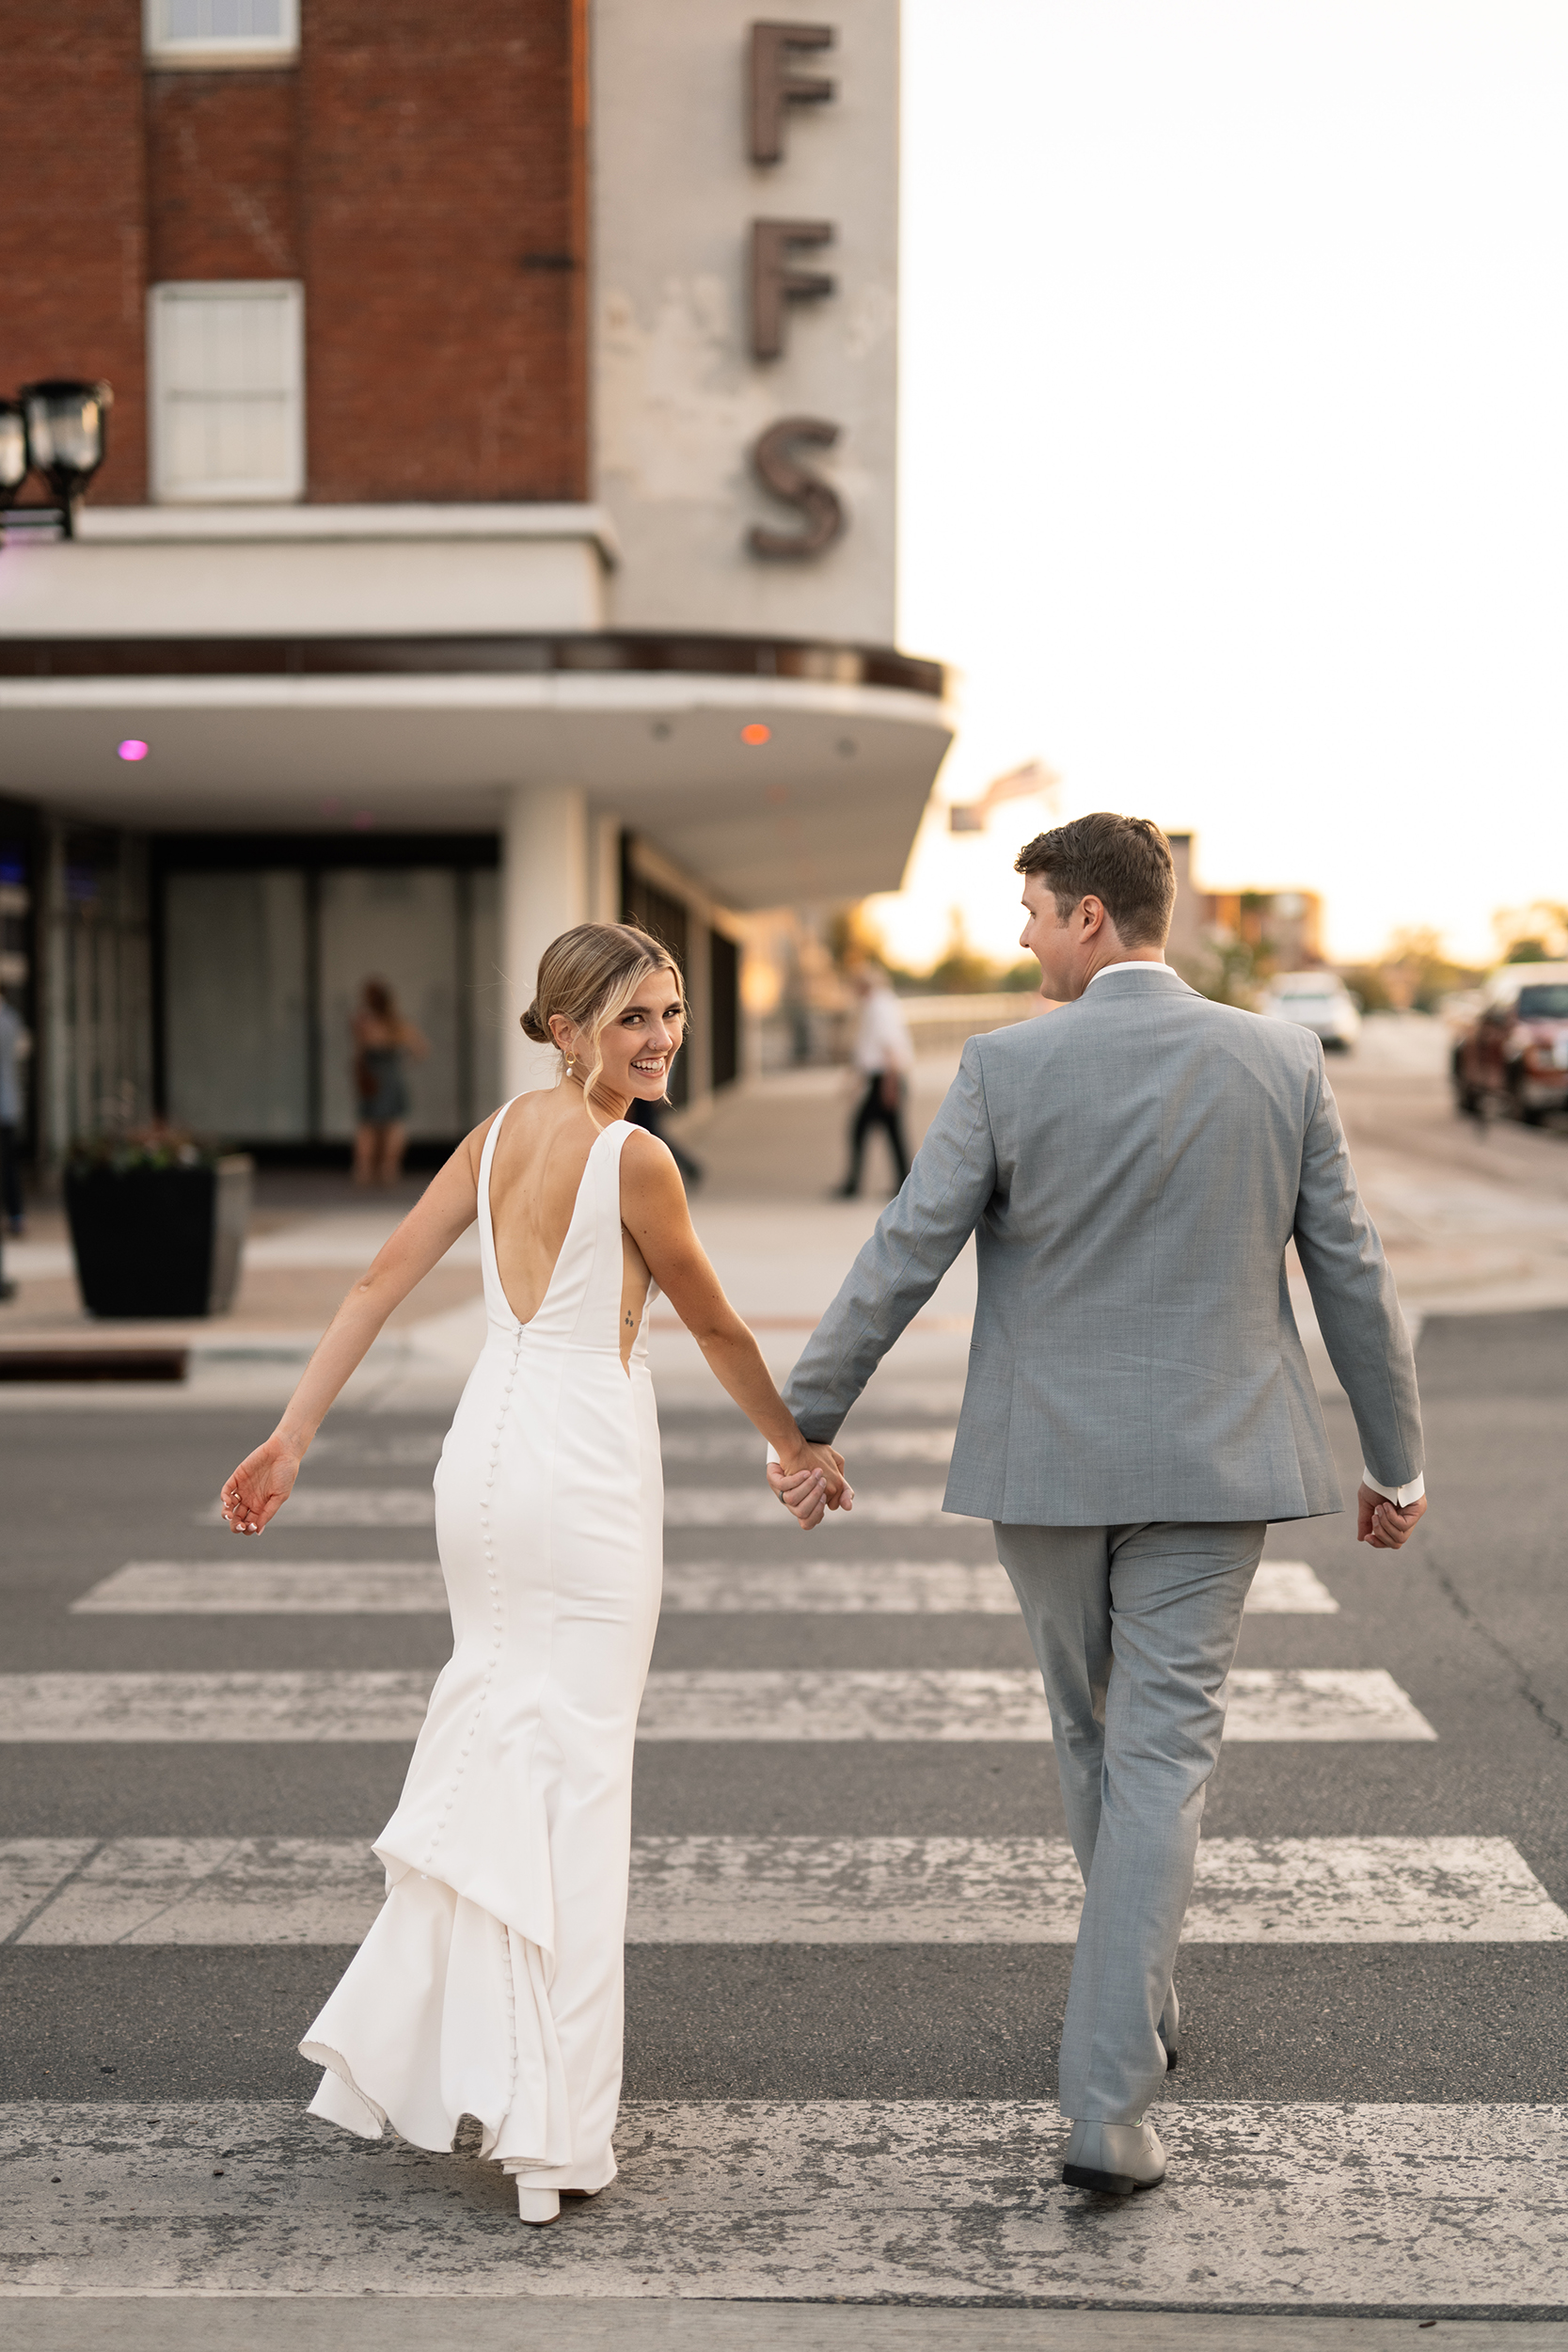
x=158, y=1222
x=142, y=1147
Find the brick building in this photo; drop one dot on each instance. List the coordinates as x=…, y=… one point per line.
x=497, y=528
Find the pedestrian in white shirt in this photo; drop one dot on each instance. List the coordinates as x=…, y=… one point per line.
x=884, y=1058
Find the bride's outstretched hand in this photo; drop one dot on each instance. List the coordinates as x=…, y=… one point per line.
x=257, y=1491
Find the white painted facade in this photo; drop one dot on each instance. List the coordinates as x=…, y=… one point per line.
x=311, y=571
x=678, y=398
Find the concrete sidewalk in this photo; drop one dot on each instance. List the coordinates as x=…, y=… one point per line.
x=771, y=1154
x=1474, y=1221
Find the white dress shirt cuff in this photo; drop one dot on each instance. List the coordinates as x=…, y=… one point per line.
x=772, y=1454
x=1414, y=1492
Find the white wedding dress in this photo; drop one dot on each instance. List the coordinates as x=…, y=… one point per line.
x=490, y=1986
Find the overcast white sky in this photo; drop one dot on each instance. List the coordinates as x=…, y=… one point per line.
x=1235, y=440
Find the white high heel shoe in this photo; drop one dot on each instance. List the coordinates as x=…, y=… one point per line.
x=538, y=2206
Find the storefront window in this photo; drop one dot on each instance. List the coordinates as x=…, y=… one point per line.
x=263, y=964
x=235, y=1004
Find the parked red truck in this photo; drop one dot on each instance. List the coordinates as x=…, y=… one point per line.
x=1514, y=1056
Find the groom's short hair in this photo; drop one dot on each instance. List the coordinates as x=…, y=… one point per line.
x=1124, y=861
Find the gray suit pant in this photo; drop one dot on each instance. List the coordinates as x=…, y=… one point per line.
x=1135, y=1628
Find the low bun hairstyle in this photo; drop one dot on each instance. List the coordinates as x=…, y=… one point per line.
x=590, y=974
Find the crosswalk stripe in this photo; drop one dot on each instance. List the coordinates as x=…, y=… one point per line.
x=1402, y=2208
x=997, y=1703
x=253, y=1586
x=856, y=1445
x=314, y=1704
x=795, y=1890
x=348, y=1506
x=1028, y=1890
x=690, y=1507
x=758, y=1506
x=945, y=1704
x=753, y=1505
x=729, y=1441
x=1289, y=1588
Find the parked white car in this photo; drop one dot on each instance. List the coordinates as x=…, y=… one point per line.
x=1314, y=1000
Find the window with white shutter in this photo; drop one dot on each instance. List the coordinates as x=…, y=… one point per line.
x=226, y=368
x=220, y=32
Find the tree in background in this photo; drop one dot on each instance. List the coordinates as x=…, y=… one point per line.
x=960, y=969
x=1228, y=971
x=1414, y=973
x=1419, y=968
x=1534, y=934
x=1238, y=953
x=1368, y=984
x=852, y=938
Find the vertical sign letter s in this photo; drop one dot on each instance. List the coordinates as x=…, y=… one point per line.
x=798, y=486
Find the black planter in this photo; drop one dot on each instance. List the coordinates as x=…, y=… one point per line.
x=158, y=1241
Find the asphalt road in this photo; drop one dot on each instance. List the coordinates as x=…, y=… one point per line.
x=1469, y=1621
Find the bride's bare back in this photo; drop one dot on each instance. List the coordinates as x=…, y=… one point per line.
x=535, y=1176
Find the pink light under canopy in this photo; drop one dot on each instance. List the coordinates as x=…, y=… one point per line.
x=131, y=748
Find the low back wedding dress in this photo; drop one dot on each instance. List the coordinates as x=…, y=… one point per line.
x=485, y=2007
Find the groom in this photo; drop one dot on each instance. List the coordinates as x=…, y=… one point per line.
x=1138, y=1405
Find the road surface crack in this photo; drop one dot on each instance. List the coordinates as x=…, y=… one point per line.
x=1521, y=1675
x=67, y=1880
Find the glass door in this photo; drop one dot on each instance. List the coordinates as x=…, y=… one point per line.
x=266, y=944
x=399, y=926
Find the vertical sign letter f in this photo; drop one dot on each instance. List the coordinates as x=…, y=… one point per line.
x=775, y=279
x=772, y=84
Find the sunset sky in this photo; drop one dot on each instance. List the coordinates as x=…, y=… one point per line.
x=1235, y=441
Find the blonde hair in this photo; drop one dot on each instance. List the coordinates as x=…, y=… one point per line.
x=588, y=976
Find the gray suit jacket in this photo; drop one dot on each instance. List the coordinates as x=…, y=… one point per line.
x=1132, y=1166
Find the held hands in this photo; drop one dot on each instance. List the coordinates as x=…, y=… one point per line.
x=257, y=1490
x=811, y=1484
x=1383, y=1524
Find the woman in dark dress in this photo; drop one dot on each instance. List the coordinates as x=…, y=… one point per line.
x=383, y=1040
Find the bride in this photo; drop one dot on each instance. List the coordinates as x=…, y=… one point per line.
x=483, y=2011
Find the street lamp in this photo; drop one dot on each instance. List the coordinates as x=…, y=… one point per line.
x=55, y=429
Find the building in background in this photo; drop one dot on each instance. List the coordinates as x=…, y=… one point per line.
x=1282, y=928
x=497, y=531
x=1226, y=940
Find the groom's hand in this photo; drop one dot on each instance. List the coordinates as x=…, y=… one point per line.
x=1383, y=1524
x=813, y=1485
x=803, y=1492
